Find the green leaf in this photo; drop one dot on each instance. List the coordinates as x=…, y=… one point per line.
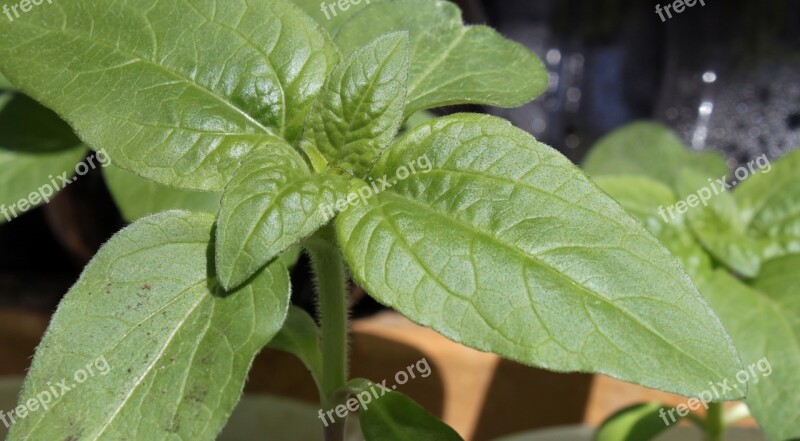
x=646, y=199
x=169, y=349
x=272, y=203
x=652, y=150
x=300, y=336
x=38, y=153
x=185, y=92
x=360, y=108
x=770, y=203
x=764, y=322
x=506, y=247
x=450, y=63
x=137, y=197
x=395, y=417
x=714, y=217
x=640, y=422
x=328, y=13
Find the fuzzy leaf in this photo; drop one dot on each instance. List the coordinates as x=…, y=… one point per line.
x=506, y=247
x=178, y=91
x=177, y=347
x=450, y=63
x=272, y=202
x=360, y=108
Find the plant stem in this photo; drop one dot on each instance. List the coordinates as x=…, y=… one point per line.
x=331, y=289
x=715, y=426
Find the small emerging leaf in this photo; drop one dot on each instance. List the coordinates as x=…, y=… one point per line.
x=450, y=63
x=506, y=247
x=167, y=346
x=360, y=108
x=395, y=417
x=272, y=202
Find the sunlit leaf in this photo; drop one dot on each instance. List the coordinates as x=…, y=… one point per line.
x=148, y=344
x=506, y=247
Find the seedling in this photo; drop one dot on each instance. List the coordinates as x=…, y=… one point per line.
x=499, y=243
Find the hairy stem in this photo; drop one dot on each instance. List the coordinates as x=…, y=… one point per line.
x=331, y=289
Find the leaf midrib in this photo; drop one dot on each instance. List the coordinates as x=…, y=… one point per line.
x=535, y=260
x=125, y=336
x=267, y=57
x=166, y=345
x=177, y=75
x=412, y=88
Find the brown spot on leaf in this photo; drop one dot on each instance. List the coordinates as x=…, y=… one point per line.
x=197, y=394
